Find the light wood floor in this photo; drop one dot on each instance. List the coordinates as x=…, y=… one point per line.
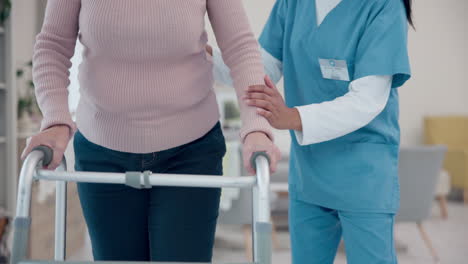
x=450, y=239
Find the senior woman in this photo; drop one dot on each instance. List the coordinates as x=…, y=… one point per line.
x=147, y=103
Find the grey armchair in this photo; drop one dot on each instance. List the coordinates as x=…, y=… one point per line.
x=419, y=169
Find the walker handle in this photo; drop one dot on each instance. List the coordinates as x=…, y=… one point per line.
x=48, y=154
x=255, y=155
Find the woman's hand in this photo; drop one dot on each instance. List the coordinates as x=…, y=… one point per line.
x=56, y=138
x=256, y=142
x=271, y=105
x=209, y=50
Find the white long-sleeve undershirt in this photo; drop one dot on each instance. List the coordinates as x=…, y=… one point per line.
x=366, y=99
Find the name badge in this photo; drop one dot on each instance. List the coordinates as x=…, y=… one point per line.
x=334, y=69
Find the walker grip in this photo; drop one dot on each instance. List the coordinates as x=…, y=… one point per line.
x=48, y=154
x=255, y=155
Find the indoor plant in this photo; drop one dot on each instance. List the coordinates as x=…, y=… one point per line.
x=28, y=111
x=231, y=115
x=5, y=8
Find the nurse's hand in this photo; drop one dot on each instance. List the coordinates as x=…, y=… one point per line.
x=271, y=105
x=256, y=142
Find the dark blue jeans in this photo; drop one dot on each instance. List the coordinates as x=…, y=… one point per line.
x=158, y=224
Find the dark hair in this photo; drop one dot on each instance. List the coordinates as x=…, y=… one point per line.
x=409, y=11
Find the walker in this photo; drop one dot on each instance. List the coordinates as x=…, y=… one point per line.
x=42, y=155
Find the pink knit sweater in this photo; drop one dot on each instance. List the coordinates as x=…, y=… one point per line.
x=146, y=83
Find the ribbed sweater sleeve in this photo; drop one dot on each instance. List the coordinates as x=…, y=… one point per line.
x=241, y=54
x=51, y=61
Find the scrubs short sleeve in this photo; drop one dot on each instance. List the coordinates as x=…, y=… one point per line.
x=272, y=37
x=382, y=49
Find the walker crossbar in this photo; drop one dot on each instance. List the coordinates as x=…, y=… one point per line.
x=180, y=180
x=30, y=171
x=119, y=262
x=110, y=262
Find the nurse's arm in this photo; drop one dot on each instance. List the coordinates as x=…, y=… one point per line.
x=366, y=99
x=221, y=72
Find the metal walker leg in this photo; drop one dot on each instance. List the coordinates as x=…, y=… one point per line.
x=61, y=217
x=262, y=227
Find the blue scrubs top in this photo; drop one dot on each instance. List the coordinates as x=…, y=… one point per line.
x=359, y=171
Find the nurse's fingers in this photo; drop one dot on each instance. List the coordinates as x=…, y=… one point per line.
x=260, y=89
x=269, y=83
x=260, y=96
x=261, y=104
x=267, y=114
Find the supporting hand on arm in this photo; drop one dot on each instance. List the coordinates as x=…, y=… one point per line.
x=317, y=123
x=270, y=104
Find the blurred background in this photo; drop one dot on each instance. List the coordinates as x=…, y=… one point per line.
x=432, y=223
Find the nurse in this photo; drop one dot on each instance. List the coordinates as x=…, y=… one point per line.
x=342, y=62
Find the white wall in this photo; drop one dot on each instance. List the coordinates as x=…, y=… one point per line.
x=439, y=58
x=258, y=11
x=25, y=13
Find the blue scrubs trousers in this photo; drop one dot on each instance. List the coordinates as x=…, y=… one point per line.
x=317, y=231
x=163, y=224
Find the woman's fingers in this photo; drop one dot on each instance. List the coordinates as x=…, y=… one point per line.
x=56, y=160
x=39, y=140
x=258, y=141
x=29, y=146
x=247, y=155
x=274, y=156
x=209, y=50
x=36, y=141
x=249, y=168
x=56, y=138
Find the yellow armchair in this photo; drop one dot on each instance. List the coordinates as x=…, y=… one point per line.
x=451, y=131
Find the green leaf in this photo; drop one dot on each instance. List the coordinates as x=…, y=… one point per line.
x=19, y=73
x=5, y=11
x=231, y=111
